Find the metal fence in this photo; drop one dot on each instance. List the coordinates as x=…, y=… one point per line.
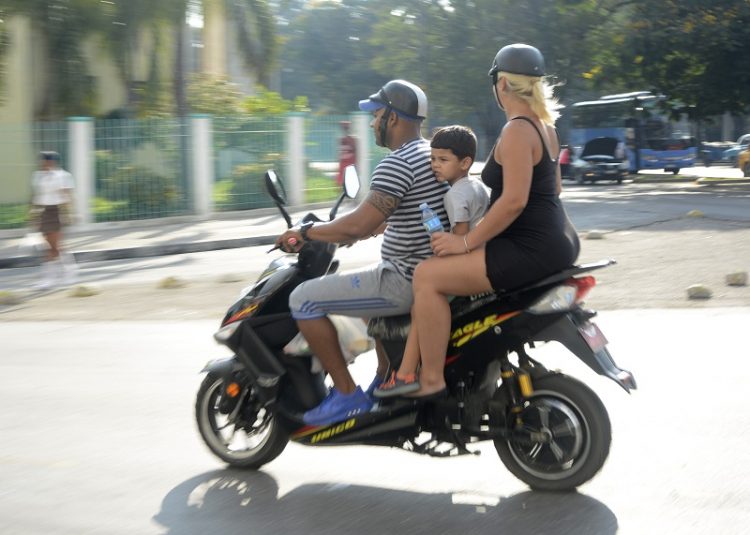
x=142, y=169
x=244, y=148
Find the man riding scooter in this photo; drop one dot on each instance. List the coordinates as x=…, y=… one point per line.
x=400, y=183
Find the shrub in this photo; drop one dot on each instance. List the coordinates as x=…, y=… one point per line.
x=146, y=193
x=244, y=190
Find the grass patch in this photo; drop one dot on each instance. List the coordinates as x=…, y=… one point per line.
x=14, y=215
x=321, y=189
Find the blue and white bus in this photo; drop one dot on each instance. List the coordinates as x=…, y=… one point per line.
x=652, y=140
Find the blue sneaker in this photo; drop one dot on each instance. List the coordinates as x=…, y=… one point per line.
x=337, y=406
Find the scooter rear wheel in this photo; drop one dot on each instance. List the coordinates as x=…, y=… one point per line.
x=234, y=438
x=571, y=435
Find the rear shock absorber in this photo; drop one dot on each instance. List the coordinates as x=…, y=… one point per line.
x=508, y=373
x=524, y=377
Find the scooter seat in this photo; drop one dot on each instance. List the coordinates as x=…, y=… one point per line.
x=397, y=327
x=389, y=327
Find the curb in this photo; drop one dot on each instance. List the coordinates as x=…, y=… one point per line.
x=145, y=251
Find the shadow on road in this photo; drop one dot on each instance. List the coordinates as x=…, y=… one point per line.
x=231, y=501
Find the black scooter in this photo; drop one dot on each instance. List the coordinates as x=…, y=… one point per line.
x=549, y=429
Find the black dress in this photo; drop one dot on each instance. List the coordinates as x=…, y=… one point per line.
x=541, y=240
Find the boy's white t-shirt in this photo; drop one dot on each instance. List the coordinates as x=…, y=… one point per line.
x=466, y=201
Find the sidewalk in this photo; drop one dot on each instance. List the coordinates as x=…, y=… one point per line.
x=158, y=237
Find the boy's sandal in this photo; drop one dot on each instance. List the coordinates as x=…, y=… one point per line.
x=397, y=386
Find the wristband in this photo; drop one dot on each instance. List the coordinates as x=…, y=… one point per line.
x=466, y=244
x=303, y=230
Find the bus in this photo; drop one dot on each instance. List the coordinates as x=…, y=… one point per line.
x=651, y=139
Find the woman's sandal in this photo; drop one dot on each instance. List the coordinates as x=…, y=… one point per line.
x=397, y=386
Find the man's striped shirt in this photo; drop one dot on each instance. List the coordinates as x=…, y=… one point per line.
x=406, y=174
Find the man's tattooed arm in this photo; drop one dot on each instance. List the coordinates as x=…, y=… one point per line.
x=386, y=204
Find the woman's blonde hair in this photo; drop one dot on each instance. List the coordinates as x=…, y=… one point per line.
x=537, y=92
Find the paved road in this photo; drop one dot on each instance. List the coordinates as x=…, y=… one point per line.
x=98, y=434
x=98, y=437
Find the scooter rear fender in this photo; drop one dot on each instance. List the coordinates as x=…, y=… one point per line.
x=565, y=330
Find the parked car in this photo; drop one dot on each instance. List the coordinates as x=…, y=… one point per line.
x=743, y=162
x=602, y=158
x=732, y=153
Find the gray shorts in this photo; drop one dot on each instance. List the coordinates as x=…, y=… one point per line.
x=379, y=290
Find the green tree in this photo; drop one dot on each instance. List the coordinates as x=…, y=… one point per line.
x=122, y=30
x=693, y=51
x=60, y=25
x=327, y=54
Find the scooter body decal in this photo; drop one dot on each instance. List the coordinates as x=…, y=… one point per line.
x=322, y=432
x=243, y=313
x=473, y=329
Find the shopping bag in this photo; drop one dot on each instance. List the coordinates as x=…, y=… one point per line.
x=32, y=244
x=353, y=339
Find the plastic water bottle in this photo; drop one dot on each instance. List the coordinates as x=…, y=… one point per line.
x=430, y=219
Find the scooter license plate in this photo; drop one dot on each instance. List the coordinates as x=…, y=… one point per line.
x=593, y=336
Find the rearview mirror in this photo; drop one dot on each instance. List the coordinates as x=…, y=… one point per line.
x=275, y=187
x=351, y=181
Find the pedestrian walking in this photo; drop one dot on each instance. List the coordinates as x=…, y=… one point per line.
x=51, y=211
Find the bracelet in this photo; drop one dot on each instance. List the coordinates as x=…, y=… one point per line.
x=466, y=244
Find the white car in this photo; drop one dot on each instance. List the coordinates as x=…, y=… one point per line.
x=602, y=158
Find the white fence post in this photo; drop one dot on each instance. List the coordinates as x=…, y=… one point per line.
x=203, y=169
x=362, y=133
x=296, y=158
x=81, y=158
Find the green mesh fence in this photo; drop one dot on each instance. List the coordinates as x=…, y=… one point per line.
x=141, y=168
x=322, y=134
x=244, y=148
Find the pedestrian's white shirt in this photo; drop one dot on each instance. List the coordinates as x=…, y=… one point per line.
x=51, y=187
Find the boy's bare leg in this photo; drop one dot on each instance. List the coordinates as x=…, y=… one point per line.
x=410, y=360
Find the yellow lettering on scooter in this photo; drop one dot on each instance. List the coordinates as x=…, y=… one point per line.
x=471, y=330
x=333, y=431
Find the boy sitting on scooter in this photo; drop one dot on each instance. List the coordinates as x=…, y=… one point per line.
x=453, y=149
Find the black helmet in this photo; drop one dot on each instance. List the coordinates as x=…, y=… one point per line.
x=49, y=156
x=404, y=97
x=518, y=59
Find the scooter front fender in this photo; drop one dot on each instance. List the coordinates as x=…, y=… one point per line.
x=566, y=330
x=223, y=367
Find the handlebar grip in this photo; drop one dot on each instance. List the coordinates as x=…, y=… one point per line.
x=291, y=241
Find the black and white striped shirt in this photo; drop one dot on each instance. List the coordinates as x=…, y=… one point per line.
x=406, y=174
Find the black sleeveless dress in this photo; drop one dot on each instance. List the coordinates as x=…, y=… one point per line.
x=541, y=240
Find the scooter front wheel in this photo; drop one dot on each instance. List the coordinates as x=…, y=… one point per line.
x=565, y=439
x=244, y=438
